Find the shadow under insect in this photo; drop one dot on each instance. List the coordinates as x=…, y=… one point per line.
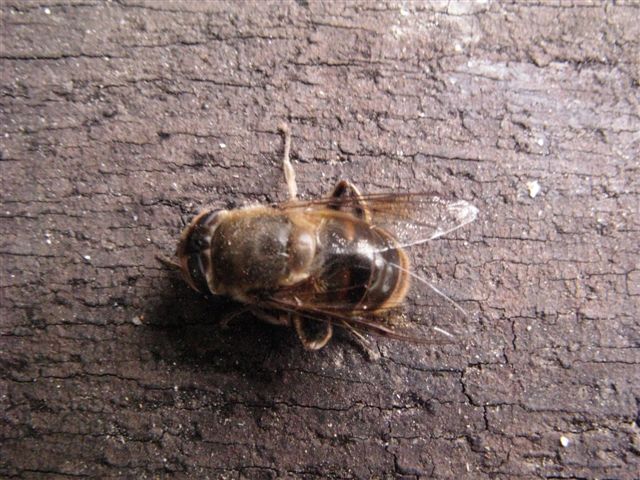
x=211, y=332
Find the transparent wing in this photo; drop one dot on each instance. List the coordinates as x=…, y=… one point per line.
x=412, y=218
x=417, y=218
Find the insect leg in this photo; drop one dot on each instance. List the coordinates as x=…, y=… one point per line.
x=227, y=319
x=314, y=334
x=289, y=172
x=362, y=342
x=279, y=318
x=347, y=198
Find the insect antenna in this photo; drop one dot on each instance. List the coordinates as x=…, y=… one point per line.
x=167, y=262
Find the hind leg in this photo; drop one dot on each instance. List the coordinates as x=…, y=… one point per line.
x=362, y=342
x=314, y=334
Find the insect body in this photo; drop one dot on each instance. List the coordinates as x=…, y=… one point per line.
x=315, y=264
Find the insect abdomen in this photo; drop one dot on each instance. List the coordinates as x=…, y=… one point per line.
x=362, y=266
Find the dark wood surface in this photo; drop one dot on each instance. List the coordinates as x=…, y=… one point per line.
x=121, y=119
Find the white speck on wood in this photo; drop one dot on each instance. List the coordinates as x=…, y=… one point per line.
x=534, y=188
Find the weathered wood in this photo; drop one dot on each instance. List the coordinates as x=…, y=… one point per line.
x=121, y=119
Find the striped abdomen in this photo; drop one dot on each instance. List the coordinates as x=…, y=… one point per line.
x=362, y=266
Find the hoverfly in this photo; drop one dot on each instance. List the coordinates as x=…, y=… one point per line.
x=312, y=265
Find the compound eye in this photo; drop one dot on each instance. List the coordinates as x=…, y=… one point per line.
x=197, y=272
x=197, y=242
x=200, y=236
x=210, y=219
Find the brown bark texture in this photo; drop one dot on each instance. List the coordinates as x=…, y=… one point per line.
x=121, y=119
